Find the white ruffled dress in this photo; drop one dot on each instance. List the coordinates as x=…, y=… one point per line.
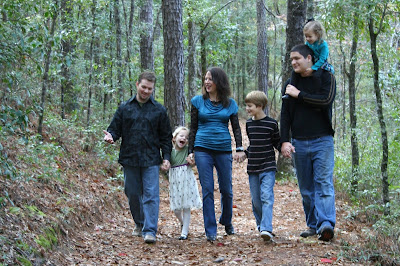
x=183, y=189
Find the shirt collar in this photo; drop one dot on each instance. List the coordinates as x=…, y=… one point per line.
x=151, y=99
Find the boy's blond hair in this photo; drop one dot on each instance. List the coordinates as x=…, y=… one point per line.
x=258, y=98
x=176, y=132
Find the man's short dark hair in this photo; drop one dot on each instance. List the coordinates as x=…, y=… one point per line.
x=148, y=75
x=304, y=50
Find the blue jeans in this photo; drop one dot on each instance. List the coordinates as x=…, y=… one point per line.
x=142, y=189
x=205, y=162
x=314, y=160
x=262, y=198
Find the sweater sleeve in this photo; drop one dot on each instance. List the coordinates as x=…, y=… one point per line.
x=194, y=125
x=324, y=97
x=237, y=133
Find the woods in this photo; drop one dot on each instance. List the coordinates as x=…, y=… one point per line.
x=66, y=65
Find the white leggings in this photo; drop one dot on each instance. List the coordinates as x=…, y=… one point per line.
x=184, y=218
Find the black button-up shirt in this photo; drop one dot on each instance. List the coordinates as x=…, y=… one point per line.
x=144, y=129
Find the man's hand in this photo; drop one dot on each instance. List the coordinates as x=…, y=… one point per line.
x=108, y=137
x=165, y=165
x=292, y=91
x=287, y=149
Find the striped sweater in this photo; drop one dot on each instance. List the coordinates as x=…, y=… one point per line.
x=263, y=136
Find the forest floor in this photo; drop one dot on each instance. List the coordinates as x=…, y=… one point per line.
x=98, y=228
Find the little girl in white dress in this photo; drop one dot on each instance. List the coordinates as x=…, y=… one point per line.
x=183, y=190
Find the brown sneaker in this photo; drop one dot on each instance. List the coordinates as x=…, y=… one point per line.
x=326, y=233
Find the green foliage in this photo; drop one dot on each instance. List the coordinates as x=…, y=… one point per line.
x=48, y=239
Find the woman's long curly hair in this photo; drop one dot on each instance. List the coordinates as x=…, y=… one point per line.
x=221, y=81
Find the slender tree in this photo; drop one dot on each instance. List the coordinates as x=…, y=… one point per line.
x=191, y=62
x=128, y=34
x=373, y=33
x=67, y=96
x=355, y=157
x=262, y=48
x=46, y=68
x=118, y=41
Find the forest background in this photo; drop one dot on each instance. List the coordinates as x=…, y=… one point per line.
x=65, y=66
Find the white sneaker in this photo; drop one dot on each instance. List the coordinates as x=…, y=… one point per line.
x=149, y=239
x=137, y=231
x=267, y=236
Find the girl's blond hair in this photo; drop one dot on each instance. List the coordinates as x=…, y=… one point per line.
x=176, y=132
x=315, y=27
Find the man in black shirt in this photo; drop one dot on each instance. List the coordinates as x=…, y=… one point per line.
x=306, y=121
x=144, y=127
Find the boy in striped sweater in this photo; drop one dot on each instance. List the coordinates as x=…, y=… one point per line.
x=263, y=133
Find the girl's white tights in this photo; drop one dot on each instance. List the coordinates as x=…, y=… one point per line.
x=184, y=218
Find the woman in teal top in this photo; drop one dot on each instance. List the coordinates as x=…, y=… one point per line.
x=210, y=142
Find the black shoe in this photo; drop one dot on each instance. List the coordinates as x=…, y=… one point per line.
x=229, y=230
x=326, y=233
x=308, y=232
x=211, y=238
x=183, y=237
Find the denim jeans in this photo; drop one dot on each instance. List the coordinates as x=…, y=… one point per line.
x=314, y=160
x=205, y=162
x=262, y=198
x=142, y=189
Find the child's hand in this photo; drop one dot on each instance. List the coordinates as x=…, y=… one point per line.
x=308, y=72
x=239, y=156
x=190, y=159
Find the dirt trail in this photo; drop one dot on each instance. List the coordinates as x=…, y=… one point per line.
x=111, y=242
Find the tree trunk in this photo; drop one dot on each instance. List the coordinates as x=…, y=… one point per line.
x=67, y=96
x=174, y=99
x=294, y=36
x=203, y=55
x=146, y=36
x=118, y=51
x=109, y=77
x=294, y=32
x=262, y=49
x=47, y=59
x=352, y=103
x=191, y=61
x=384, y=139
x=90, y=82
x=128, y=34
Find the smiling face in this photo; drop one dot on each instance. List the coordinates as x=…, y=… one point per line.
x=144, y=90
x=311, y=37
x=181, y=139
x=209, y=85
x=300, y=63
x=254, y=111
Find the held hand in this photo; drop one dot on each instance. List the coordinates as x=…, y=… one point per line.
x=190, y=159
x=292, y=91
x=287, y=149
x=108, y=137
x=165, y=165
x=239, y=156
